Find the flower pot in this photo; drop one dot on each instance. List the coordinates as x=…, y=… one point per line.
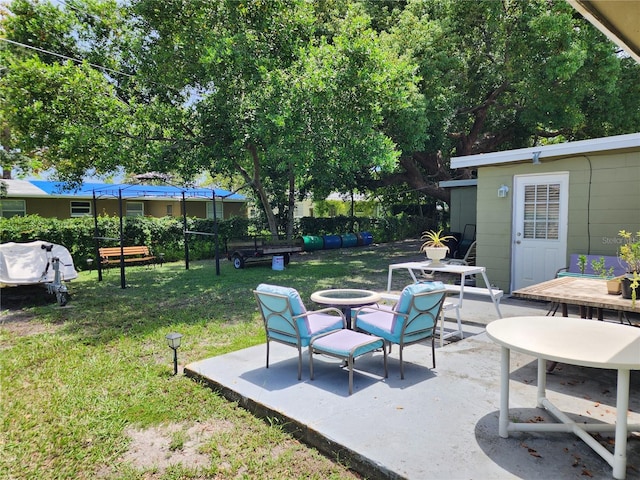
x=435, y=254
x=627, y=291
x=614, y=286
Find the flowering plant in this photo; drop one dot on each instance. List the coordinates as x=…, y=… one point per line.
x=629, y=251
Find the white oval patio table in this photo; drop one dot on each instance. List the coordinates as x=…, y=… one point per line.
x=575, y=341
x=345, y=299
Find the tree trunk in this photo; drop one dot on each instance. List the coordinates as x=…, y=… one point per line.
x=291, y=202
x=257, y=186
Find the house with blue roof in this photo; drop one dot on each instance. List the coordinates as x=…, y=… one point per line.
x=51, y=199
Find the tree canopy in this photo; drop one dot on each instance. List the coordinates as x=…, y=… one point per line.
x=499, y=75
x=300, y=97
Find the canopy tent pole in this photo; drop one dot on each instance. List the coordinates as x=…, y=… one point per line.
x=95, y=236
x=184, y=230
x=123, y=283
x=215, y=231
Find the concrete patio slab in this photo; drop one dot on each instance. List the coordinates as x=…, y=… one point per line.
x=437, y=423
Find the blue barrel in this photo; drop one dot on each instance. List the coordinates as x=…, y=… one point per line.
x=332, y=241
x=312, y=243
x=360, y=239
x=367, y=238
x=349, y=240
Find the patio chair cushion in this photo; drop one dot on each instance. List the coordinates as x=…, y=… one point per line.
x=309, y=325
x=384, y=323
x=408, y=292
x=413, y=318
x=375, y=322
x=297, y=307
x=322, y=322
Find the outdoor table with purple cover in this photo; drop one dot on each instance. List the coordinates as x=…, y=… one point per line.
x=345, y=299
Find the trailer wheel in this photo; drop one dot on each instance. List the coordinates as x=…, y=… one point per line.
x=63, y=298
x=238, y=261
x=287, y=257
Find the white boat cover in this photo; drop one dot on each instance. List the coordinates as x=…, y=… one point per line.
x=30, y=263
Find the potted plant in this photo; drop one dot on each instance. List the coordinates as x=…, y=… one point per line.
x=629, y=254
x=434, y=245
x=582, y=263
x=614, y=286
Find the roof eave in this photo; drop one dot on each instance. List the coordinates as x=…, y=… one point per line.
x=547, y=152
x=470, y=182
x=613, y=21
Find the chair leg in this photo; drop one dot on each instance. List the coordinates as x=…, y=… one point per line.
x=310, y=362
x=267, y=352
x=384, y=353
x=621, y=314
x=433, y=350
x=299, y=363
x=401, y=364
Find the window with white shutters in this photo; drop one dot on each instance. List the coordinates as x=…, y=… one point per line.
x=542, y=211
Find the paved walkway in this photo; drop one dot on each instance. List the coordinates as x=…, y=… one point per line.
x=437, y=423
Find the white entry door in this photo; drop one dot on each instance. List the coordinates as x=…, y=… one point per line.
x=539, y=228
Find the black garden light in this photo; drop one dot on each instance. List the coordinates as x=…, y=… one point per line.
x=173, y=340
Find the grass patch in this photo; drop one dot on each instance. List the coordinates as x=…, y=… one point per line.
x=78, y=382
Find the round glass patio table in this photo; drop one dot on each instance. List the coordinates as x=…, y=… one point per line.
x=345, y=299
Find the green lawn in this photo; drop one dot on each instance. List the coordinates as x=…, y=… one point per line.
x=88, y=390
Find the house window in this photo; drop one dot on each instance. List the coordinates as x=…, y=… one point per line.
x=135, y=209
x=169, y=210
x=542, y=211
x=219, y=210
x=80, y=208
x=13, y=208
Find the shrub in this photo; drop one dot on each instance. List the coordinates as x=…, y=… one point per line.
x=165, y=235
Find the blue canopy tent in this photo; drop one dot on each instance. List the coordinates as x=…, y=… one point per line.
x=132, y=191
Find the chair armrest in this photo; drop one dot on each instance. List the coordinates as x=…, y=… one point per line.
x=564, y=269
x=377, y=308
x=373, y=308
x=322, y=310
x=457, y=261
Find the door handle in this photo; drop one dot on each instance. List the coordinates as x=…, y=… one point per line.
x=518, y=242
